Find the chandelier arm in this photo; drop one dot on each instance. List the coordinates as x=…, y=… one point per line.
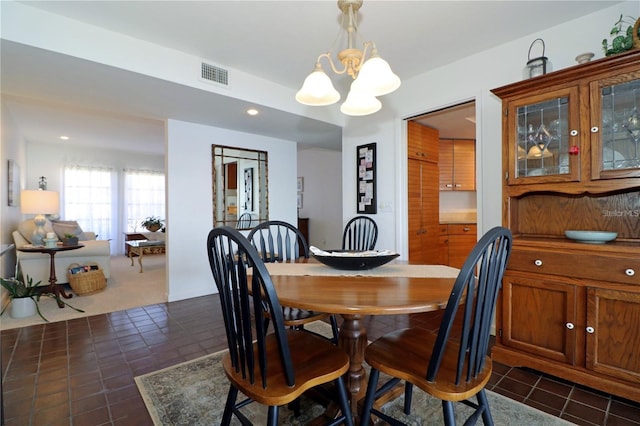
x=330, y=60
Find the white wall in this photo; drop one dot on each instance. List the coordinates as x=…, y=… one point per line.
x=470, y=78
x=378, y=128
x=11, y=148
x=189, y=197
x=322, y=196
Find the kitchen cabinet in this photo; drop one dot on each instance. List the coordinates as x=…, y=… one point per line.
x=423, y=195
x=422, y=142
x=456, y=242
x=457, y=163
x=571, y=162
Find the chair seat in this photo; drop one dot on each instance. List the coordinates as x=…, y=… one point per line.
x=315, y=361
x=405, y=354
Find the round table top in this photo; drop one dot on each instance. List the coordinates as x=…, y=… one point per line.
x=43, y=249
x=363, y=295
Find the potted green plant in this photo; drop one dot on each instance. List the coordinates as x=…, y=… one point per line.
x=622, y=36
x=24, y=297
x=152, y=223
x=70, y=240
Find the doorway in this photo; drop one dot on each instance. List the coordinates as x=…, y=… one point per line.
x=457, y=122
x=442, y=211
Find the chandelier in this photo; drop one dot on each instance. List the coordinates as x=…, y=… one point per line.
x=372, y=75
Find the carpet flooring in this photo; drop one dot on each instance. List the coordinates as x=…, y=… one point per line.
x=194, y=393
x=126, y=288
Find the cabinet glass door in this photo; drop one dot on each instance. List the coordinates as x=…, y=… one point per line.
x=619, y=151
x=543, y=138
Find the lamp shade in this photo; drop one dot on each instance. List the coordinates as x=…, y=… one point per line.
x=376, y=77
x=360, y=103
x=39, y=202
x=317, y=89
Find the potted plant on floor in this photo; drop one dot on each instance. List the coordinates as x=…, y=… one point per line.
x=152, y=223
x=24, y=296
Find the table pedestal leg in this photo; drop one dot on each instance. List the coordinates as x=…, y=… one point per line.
x=53, y=288
x=353, y=339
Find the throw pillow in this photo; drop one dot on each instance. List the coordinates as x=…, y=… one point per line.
x=61, y=227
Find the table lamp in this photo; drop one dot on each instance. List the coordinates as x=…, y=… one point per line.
x=39, y=202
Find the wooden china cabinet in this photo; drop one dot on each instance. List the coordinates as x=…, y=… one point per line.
x=571, y=161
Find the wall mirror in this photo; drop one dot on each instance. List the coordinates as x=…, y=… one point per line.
x=240, y=195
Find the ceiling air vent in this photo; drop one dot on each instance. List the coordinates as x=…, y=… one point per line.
x=214, y=74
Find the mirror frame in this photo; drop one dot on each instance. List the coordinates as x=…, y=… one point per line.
x=257, y=184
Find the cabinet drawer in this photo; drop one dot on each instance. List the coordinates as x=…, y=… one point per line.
x=463, y=229
x=577, y=265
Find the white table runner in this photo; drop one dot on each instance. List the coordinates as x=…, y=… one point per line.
x=389, y=270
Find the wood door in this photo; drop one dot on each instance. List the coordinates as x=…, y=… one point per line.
x=423, y=212
x=613, y=333
x=539, y=316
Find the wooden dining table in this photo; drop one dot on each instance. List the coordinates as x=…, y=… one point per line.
x=392, y=289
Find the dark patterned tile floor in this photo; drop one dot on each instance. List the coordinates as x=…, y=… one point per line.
x=80, y=372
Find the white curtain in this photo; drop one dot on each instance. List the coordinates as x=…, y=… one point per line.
x=144, y=196
x=89, y=197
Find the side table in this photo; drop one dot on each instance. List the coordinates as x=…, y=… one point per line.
x=140, y=247
x=56, y=290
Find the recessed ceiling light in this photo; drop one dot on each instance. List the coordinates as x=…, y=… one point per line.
x=64, y=138
x=252, y=111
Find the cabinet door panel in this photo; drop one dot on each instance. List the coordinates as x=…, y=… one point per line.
x=464, y=165
x=445, y=164
x=541, y=130
x=615, y=138
x=535, y=317
x=613, y=347
x=422, y=142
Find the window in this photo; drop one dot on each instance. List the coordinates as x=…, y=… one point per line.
x=88, y=198
x=108, y=203
x=143, y=197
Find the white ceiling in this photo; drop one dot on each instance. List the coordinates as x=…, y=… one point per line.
x=275, y=40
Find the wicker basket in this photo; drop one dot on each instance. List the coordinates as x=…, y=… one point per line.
x=90, y=280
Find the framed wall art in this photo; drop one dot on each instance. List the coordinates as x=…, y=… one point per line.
x=248, y=189
x=366, y=178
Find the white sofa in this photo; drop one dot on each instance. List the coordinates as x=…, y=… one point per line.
x=36, y=265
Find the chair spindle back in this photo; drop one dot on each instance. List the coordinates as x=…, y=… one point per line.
x=475, y=292
x=244, y=299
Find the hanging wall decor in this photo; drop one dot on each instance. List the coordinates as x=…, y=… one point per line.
x=248, y=189
x=366, y=178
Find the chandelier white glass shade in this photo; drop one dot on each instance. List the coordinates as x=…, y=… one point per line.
x=372, y=75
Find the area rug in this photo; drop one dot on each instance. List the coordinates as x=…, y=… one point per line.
x=194, y=393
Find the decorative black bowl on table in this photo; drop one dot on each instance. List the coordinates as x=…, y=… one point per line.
x=355, y=261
